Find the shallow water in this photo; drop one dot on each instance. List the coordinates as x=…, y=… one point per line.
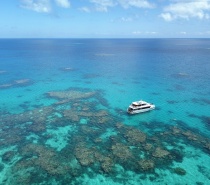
x=63, y=113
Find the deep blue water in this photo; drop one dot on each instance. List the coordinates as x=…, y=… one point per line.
x=91, y=83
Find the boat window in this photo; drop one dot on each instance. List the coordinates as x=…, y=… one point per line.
x=144, y=108
x=130, y=109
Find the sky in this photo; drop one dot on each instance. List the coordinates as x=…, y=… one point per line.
x=105, y=19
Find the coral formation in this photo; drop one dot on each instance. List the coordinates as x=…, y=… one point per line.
x=8, y=156
x=4, y=86
x=43, y=157
x=121, y=151
x=146, y=165
x=160, y=153
x=84, y=155
x=135, y=136
x=1, y=72
x=179, y=171
x=16, y=83
x=22, y=81
x=86, y=148
x=70, y=95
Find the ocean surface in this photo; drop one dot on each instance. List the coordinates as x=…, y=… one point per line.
x=63, y=116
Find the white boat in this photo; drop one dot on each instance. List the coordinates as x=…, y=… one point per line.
x=139, y=107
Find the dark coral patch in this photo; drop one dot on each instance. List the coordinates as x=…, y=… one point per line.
x=179, y=171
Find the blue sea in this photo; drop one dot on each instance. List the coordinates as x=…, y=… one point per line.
x=63, y=117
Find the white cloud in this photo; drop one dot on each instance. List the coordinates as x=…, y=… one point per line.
x=37, y=5
x=102, y=5
x=144, y=33
x=43, y=6
x=63, y=3
x=204, y=33
x=136, y=32
x=151, y=32
x=187, y=9
x=135, y=3
x=85, y=9
x=166, y=16
x=183, y=32
x=126, y=19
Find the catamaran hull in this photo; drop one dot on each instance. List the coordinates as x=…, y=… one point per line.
x=140, y=111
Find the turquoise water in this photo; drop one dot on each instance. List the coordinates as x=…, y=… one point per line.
x=63, y=113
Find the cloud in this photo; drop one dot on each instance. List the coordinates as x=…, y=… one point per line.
x=136, y=32
x=144, y=33
x=37, y=5
x=187, y=9
x=151, y=32
x=135, y=3
x=166, y=16
x=205, y=33
x=126, y=19
x=183, y=32
x=63, y=3
x=103, y=5
x=85, y=9
x=43, y=6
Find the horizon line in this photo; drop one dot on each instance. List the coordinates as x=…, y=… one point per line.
x=104, y=38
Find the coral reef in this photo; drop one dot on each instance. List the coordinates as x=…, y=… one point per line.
x=135, y=136
x=42, y=157
x=84, y=155
x=179, y=171
x=121, y=151
x=22, y=81
x=2, y=72
x=67, y=69
x=16, y=83
x=8, y=156
x=70, y=95
x=160, y=153
x=146, y=165
x=89, y=156
x=85, y=124
x=148, y=147
x=4, y=86
x=1, y=167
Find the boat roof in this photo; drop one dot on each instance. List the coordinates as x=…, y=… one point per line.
x=139, y=102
